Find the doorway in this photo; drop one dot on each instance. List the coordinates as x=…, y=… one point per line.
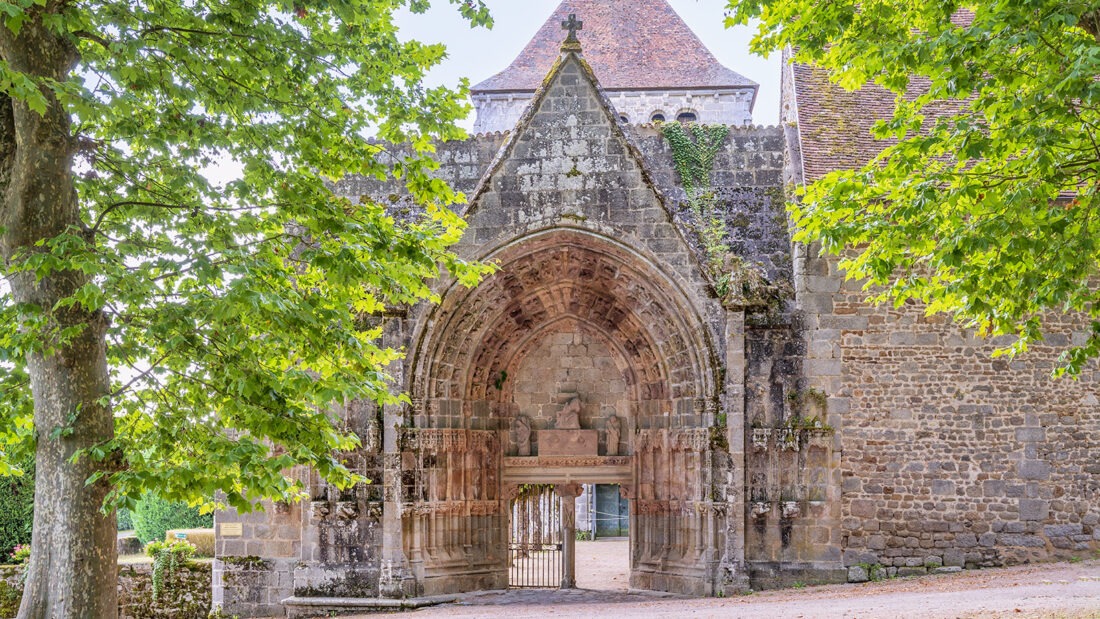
x=612, y=512
x=603, y=538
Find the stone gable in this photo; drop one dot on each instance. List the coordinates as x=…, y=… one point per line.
x=569, y=164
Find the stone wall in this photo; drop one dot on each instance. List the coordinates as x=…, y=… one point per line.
x=185, y=594
x=748, y=181
x=461, y=163
x=254, y=570
x=951, y=456
x=571, y=361
x=791, y=465
x=501, y=112
x=11, y=590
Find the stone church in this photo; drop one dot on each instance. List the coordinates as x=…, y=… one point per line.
x=763, y=423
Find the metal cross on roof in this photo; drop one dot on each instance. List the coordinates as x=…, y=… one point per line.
x=572, y=25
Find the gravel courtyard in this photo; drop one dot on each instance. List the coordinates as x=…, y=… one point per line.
x=1054, y=591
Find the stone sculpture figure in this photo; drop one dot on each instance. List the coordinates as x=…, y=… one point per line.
x=569, y=418
x=522, y=428
x=614, y=432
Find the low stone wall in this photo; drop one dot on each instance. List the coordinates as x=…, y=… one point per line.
x=186, y=593
x=11, y=589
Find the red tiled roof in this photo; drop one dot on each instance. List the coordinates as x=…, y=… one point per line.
x=639, y=44
x=834, y=124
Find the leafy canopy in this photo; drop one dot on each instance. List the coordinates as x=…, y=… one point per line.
x=241, y=314
x=984, y=201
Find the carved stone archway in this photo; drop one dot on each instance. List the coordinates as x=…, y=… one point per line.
x=569, y=316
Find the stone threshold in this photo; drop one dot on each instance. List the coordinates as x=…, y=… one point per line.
x=305, y=607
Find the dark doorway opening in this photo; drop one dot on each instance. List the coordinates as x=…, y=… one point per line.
x=612, y=517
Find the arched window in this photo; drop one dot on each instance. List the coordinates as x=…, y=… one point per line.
x=686, y=117
x=657, y=117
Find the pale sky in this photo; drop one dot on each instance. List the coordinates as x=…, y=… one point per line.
x=478, y=53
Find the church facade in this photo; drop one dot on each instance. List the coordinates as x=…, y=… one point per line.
x=763, y=422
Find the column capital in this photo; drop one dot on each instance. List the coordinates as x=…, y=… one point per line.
x=568, y=491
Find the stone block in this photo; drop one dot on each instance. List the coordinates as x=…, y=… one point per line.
x=993, y=488
x=1034, y=469
x=943, y=487
x=1031, y=434
x=953, y=558
x=568, y=442
x=858, y=573
x=1034, y=509
x=863, y=508
x=855, y=557
x=1062, y=530
x=1027, y=541
x=966, y=540
x=911, y=571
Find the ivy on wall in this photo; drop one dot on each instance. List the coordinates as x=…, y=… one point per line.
x=694, y=149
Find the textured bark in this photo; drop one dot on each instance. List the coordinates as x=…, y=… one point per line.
x=72, y=571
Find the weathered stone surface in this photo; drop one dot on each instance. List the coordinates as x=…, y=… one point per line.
x=184, y=594
x=758, y=446
x=568, y=442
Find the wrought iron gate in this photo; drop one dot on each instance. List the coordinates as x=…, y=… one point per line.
x=535, y=543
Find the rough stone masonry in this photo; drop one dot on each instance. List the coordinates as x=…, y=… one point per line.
x=803, y=437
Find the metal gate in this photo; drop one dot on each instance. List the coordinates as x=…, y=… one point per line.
x=535, y=543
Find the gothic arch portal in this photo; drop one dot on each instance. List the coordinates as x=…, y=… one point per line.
x=570, y=314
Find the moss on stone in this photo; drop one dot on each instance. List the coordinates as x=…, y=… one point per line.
x=10, y=596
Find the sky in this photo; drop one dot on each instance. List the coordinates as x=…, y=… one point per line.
x=479, y=53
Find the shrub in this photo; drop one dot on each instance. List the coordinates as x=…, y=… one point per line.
x=125, y=519
x=16, y=509
x=201, y=539
x=154, y=516
x=21, y=553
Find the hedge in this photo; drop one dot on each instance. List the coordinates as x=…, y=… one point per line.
x=125, y=520
x=154, y=517
x=16, y=510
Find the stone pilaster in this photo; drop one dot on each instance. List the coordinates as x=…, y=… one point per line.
x=396, y=579
x=733, y=574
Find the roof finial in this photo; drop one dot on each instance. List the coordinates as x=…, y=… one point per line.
x=572, y=44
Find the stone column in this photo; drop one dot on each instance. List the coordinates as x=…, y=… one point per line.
x=733, y=576
x=396, y=580
x=569, y=494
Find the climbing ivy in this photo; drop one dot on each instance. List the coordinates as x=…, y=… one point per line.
x=693, y=153
x=168, y=556
x=694, y=148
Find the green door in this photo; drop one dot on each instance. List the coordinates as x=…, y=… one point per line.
x=612, y=512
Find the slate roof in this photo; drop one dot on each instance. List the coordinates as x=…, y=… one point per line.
x=634, y=45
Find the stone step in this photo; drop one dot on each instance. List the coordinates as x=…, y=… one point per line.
x=304, y=607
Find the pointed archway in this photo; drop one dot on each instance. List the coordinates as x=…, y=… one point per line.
x=570, y=315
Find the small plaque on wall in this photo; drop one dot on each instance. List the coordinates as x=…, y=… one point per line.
x=232, y=529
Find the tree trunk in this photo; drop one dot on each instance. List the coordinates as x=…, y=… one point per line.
x=73, y=566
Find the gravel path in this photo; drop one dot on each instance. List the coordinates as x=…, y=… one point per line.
x=1054, y=591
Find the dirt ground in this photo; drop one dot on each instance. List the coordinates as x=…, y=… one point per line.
x=1048, y=591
